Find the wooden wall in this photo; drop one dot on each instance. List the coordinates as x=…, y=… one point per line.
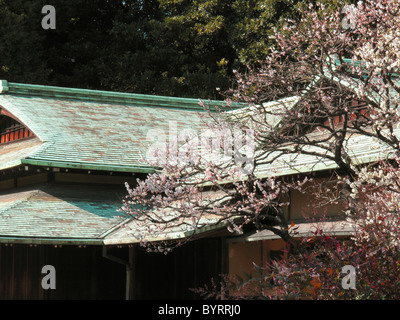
x=81, y=273
x=171, y=276
x=242, y=255
x=306, y=206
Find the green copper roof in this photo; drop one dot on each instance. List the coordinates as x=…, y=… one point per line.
x=59, y=214
x=12, y=154
x=74, y=215
x=361, y=150
x=92, y=129
x=122, y=98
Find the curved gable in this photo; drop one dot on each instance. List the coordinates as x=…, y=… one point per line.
x=11, y=129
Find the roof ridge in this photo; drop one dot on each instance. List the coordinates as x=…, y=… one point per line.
x=112, y=97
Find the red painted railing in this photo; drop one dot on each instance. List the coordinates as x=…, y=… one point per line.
x=14, y=132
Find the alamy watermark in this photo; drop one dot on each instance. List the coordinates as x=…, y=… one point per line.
x=49, y=280
x=49, y=20
x=188, y=146
x=349, y=21
x=349, y=280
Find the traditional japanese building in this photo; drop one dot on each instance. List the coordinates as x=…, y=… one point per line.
x=65, y=155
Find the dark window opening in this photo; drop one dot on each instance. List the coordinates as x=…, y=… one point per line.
x=359, y=112
x=11, y=130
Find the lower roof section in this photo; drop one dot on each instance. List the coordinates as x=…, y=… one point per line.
x=59, y=214
x=301, y=230
x=71, y=214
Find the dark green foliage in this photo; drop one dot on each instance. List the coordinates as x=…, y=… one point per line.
x=165, y=47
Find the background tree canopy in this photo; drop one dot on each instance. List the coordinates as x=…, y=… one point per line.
x=164, y=47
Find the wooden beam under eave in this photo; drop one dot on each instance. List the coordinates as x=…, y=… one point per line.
x=8, y=114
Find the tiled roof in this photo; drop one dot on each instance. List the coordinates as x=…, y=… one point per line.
x=59, y=214
x=270, y=113
x=92, y=129
x=302, y=229
x=71, y=214
x=107, y=131
x=360, y=148
x=12, y=153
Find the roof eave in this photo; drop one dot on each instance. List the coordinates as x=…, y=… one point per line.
x=49, y=241
x=87, y=166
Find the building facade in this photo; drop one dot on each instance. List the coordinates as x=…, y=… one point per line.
x=65, y=155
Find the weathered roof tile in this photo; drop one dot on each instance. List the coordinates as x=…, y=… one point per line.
x=59, y=212
x=94, y=131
